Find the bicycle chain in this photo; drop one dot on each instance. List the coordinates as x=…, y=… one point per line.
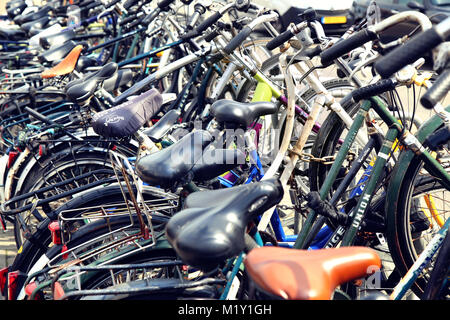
x=308, y=157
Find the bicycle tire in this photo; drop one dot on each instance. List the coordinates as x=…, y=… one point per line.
x=96, y=229
x=37, y=245
x=403, y=242
x=54, y=164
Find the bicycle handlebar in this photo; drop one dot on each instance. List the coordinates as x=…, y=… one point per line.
x=212, y=19
x=405, y=16
x=208, y=22
x=373, y=89
x=413, y=49
x=308, y=16
x=280, y=39
x=342, y=47
x=245, y=32
x=371, y=33
x=438, y=90
x=129, y=3
x=238, y=39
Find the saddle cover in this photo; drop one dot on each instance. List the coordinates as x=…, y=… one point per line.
x=126, y=119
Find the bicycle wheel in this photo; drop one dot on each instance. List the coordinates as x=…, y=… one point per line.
x=331, y=129
x=95, y=237
x=49, y=170
x=417, y=208
x=35, y=248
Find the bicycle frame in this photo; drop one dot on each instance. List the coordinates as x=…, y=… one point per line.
x=394, y=132
x=264, y=91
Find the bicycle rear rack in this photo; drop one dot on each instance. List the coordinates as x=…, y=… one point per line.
x=122, y=240
x=41, y=202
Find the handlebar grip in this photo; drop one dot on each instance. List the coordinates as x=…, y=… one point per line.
x=208, y=22
x=237, y=40
x=128, y=19
x=211, y=36
x=373, y=89
x=189, y=35
x=342, y=47
x=38, y=116
x=280, y=39
x=136, y=22
x=438, y=90
x=164, y=3
x=129, y=3
x=408, y=53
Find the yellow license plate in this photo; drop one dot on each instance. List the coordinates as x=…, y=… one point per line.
x=334, y=20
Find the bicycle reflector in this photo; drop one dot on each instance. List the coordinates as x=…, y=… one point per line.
x=29, y=288
x=12, y=157
x=12, y=284
x=3, y=280
x=58, y=292
x=55, y=229
x=3, y=223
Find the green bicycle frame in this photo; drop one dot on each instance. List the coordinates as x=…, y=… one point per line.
x=394, y=132
x=264, y=89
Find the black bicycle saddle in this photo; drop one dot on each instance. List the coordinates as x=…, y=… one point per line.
x=190, y=158
x=56, y=52
x=119, y=79
x=58, y=38
x=160, y=129
x=205, y=237
x=81, y=90
x=215, y=162
x=39, y=23
x=14, y=9
x=171, y=164
x=240, y=114
x=85, y=62
x=12, y=34
x=32, y=16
